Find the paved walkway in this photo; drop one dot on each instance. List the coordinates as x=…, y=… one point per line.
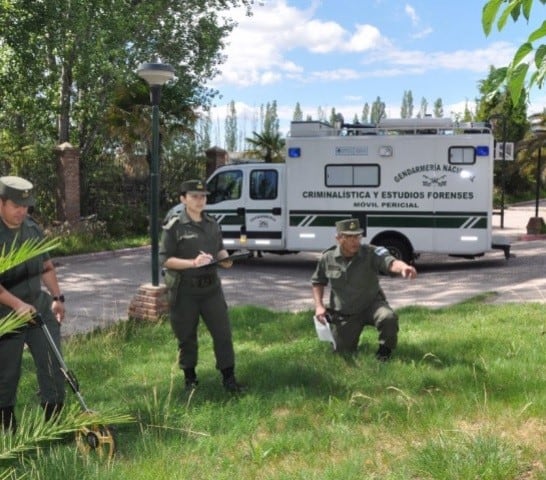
x=100, y=287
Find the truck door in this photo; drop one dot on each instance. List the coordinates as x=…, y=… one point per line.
x=226, y=203
x=264, y=214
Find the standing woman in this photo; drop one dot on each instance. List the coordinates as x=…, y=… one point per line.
x=192, y=240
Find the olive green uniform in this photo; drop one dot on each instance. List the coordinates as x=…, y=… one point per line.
x=24, y=281
x=356, y=298
x=196, y=292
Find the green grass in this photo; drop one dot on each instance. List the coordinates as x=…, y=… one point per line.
x=464, y=397
x=75, y=244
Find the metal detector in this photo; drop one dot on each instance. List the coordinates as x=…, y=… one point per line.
x=99, y=438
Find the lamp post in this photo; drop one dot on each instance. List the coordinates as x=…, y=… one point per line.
x=156, y=75
x=496, y=117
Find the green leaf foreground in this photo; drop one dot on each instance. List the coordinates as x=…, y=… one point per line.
x=517, y=77
x=33, y=430
x=17, y=254
x=13, y=256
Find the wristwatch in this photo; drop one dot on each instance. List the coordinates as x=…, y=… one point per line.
x=59, y=298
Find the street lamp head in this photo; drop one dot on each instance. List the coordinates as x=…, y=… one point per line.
x=156, y=74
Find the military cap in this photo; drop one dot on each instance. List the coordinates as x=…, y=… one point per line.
x=17, y=189
x=194, y=186
x=350, y=226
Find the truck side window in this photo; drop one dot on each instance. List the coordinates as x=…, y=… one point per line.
x=462, y=155
x=263, y=184
x=225, y=186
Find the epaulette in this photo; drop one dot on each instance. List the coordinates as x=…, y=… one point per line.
x=329, y=249
x=170, y=222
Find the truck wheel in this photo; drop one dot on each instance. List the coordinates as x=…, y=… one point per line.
x=398, y=249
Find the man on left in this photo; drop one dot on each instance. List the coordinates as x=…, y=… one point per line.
x=21, y=291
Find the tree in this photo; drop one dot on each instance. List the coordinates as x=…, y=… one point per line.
x=407, y=105
x=298, y=114
x=231, y=128
x=510, y=124
x=423, y=108
x=336, y=118
x=365, y=113
x=266, y=145
x=438, y=110
x=271, y=119
x=519, y=70
x=68, y=74
x=378, y=111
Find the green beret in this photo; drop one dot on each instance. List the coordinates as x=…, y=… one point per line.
x=17, y=189
x=194, y=186
x=350, y=226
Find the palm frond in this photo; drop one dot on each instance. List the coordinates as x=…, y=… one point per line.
x=17, y=254
x=33, y=430
x=12, y=322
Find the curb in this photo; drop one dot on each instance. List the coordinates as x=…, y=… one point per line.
x=88, y=257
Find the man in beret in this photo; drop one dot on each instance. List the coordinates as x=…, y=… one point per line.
x=21, y=291
x=356, y=298
x=191, y=240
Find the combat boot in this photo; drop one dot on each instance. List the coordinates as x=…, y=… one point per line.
x=229, y=381
x=383, y=353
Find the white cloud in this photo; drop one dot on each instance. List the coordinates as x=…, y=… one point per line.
x=412, y=14
x=258, y=47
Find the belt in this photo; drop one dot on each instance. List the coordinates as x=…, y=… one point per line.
x=202, y=281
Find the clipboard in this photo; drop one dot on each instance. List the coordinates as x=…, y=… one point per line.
x=232, y=257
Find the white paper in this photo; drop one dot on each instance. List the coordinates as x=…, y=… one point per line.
x=324, y=332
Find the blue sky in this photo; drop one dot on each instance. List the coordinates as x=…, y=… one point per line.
x=344, y=53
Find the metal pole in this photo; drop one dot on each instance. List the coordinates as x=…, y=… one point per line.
x=503, y=170
x=154, y=184
x=537, y=192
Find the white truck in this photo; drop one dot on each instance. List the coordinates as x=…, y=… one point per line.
x=416, y=185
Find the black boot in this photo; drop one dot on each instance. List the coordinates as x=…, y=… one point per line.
x=383, y=353
x=190, y=378
x=229, y=381
x=52, y=410
x=7, y=416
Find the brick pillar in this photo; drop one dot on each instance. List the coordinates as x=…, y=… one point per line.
x=216, y=157
x=150, y=303
x=68, y=183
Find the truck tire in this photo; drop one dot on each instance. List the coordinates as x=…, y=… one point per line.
x=398, y=249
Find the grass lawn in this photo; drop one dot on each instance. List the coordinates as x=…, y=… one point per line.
x=464, y=397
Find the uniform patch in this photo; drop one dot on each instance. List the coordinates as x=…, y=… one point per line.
x=187, y=236
x=381, y=251
x=170, y=222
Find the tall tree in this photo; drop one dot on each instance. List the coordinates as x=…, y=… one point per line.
x=230, y=128
x=271, y=119
x=365, y=113
x=423, y=108
x=298, y=114
x=378, y=112
x=438, y=109
x=407, y=105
